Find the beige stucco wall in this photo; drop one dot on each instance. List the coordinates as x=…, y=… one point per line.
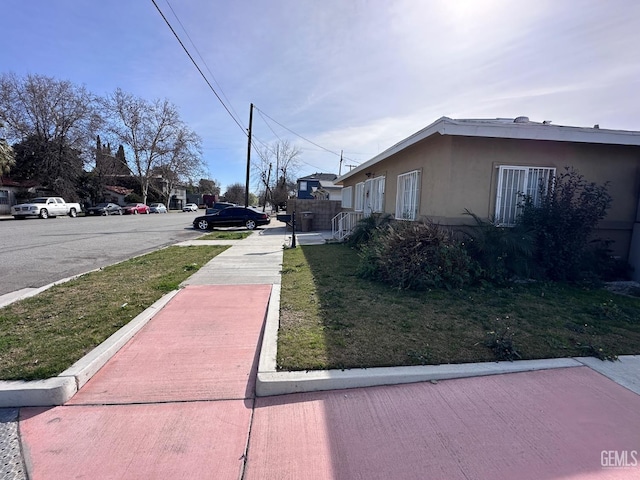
x=459, y=173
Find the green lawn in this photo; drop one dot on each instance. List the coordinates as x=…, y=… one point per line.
x=330, y=318
x=225, y=235
x=44, y=335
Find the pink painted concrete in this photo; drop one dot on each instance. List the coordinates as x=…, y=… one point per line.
x=201, y=346
x=176, y=403
x=542, y=425
x=193, y=440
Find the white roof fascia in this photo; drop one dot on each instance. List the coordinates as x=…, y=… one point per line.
x=416, y=137
x=506, y=128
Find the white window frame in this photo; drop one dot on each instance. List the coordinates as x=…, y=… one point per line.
x=347, y=197
x=358, y=202
x=514, y=182
x=408, y=196
x=376, y=195
x=4, y=197
x=303, y=186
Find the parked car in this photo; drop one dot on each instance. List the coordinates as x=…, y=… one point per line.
x=190, y=207
x=157, y=208
x=219, y=206
x=232, y=217
x=105, y=209
x=45, y=207
x=135, y=208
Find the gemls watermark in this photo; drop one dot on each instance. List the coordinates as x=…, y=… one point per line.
x=619, y=458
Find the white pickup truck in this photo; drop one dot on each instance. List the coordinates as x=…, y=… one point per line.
x=45, y=207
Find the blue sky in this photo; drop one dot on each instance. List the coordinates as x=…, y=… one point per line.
x=352, y=75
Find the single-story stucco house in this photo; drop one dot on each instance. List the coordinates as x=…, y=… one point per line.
x=484, y=164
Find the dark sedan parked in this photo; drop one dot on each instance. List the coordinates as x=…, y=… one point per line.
x=232, y=217
x=105, y=209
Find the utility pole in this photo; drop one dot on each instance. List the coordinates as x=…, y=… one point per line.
x=246, y=189
x=266, y=189
x=340, y=167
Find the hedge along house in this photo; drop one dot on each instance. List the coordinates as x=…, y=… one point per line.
x=485, y=165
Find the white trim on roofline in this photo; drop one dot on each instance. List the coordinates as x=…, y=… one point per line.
x=520, y=128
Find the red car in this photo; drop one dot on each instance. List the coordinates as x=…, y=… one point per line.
x=135, y=209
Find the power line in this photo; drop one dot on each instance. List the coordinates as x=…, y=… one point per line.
x=236, y=116
x=198, y=68
x=267, y=124
x=297, y=134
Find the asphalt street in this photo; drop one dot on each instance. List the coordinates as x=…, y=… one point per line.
x=37, y=252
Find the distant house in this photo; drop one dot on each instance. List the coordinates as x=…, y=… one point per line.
x=484, y=164
x=319, y=186
x=9, y=191
x=116, y=194
x=175, y=193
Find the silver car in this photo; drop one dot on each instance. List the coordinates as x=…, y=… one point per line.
x=190, y=207
x=157, y=208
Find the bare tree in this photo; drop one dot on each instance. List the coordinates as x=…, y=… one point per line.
x=154, y=134
x=7, y=156
x=276, y=168
x=182, y=163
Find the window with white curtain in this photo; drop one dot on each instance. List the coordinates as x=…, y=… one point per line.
x=408, y=197
x=514, y=183
x=376, y=194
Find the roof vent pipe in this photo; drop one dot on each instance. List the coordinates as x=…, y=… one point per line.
x=521, y=120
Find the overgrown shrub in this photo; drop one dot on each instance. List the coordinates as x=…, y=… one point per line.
x=563, y=222
x=503, y=253
x=416, y=256
x=366, y=229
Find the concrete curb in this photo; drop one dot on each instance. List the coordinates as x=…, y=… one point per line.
x=9, y=298
x=58, y=390
x=282, y=383
x=270, y=382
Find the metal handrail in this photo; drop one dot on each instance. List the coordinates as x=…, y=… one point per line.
x=343, y=224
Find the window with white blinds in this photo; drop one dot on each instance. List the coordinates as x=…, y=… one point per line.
x=359, y=198
x=408, y=195
x=347, y=197
x=513, y=184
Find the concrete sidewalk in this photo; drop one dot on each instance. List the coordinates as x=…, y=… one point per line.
x=178, y=401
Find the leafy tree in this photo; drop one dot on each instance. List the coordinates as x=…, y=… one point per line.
x=51, y=112
x=563, y=223
x=52, y=163
x=235, y=193
x=208, y=187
